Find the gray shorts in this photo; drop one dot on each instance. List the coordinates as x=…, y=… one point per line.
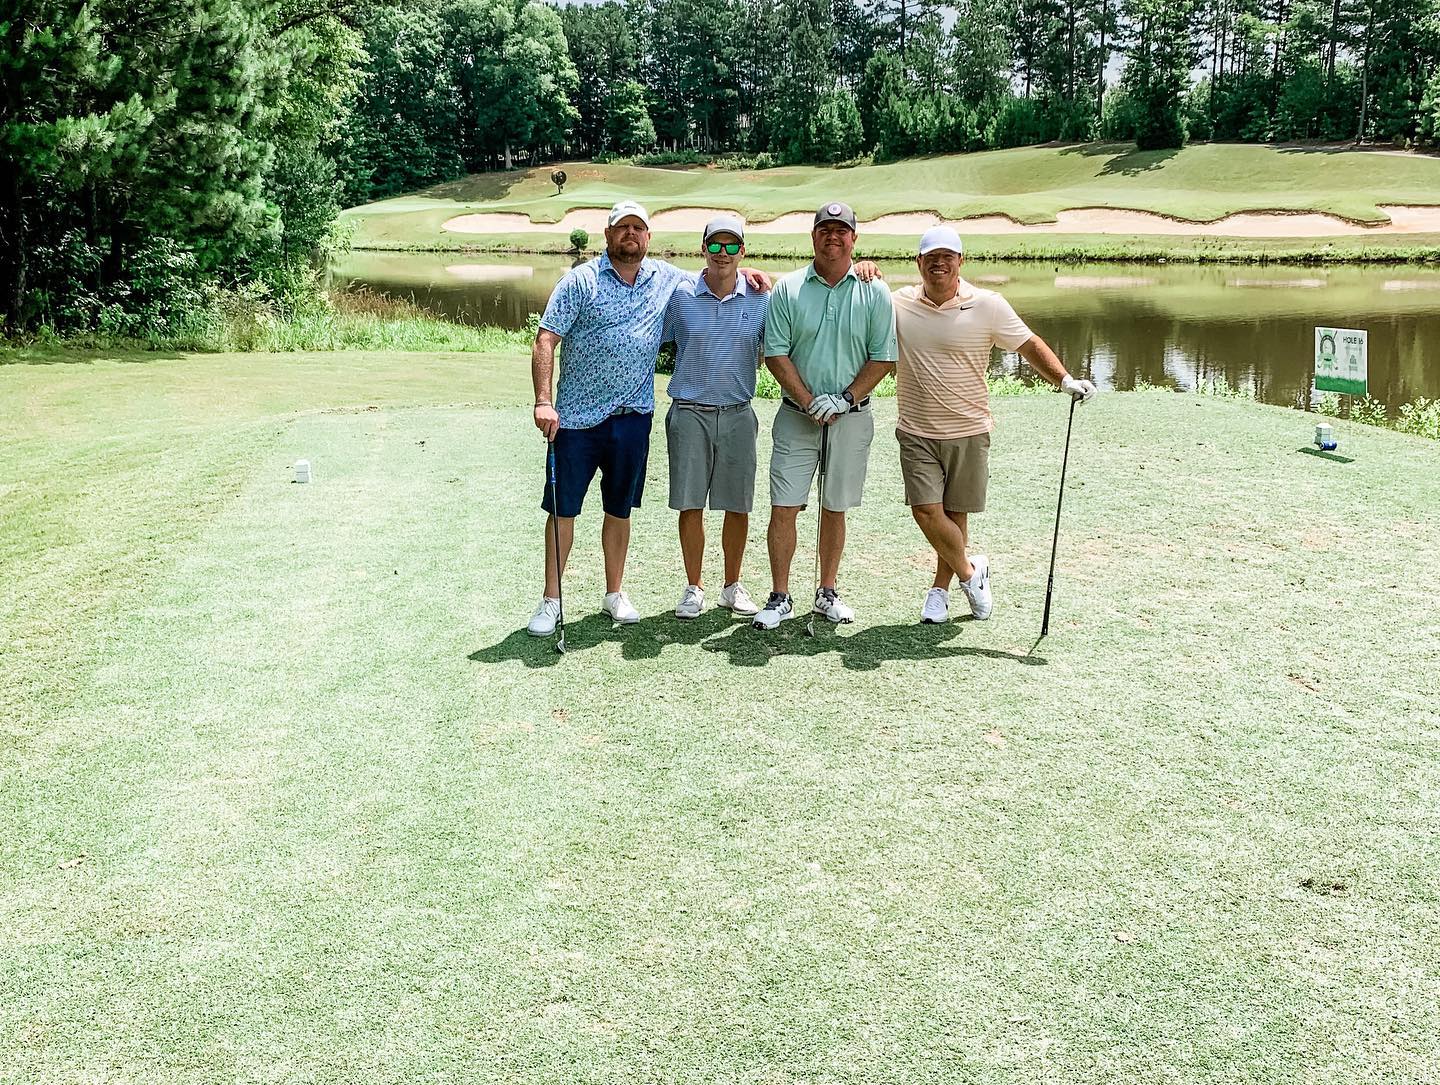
x=796, y=456
x=712, y=455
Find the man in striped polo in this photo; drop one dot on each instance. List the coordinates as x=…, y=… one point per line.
x=718, y=325
x=946, y=328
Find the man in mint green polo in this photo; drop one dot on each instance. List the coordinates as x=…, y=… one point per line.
x=829, y=339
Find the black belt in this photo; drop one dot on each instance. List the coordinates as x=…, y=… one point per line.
x=689, y=406
x=796, y=407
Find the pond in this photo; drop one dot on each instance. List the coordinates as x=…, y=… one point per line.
x=1176, y=326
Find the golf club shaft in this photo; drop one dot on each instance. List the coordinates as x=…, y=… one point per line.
x=555, y=531
x=819, y=520
x=1055, y=542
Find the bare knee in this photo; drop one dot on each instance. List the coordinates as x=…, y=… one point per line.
x=927, y=514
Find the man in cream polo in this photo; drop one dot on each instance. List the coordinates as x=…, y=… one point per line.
x=946, y=328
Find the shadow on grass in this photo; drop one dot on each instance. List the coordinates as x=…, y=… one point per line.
x=59, y=354
x=1125, y=160
x=478, y=187
x=1320, y=455
x=644, y=639
x=862, y=651
x=717, y=631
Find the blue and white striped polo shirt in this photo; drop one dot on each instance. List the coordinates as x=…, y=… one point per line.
x=717, y=342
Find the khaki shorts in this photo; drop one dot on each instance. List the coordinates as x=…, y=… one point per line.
x=796, y=455
x=952, y=473
x=712, y=457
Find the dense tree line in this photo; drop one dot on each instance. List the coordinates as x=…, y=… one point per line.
x=790, y=77
x=830, y=80
x=154, y=150
x=155, y=154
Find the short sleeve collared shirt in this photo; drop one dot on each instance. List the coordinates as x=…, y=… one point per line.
x=717, y=342
x=610, y=332
x=945, y=349
x=830, y=332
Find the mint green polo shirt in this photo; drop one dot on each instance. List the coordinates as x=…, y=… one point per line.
x=830, y=332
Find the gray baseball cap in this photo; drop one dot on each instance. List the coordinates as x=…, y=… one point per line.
x=723, y=224
x=835, y=212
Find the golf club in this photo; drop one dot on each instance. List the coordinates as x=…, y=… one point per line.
x=555, y=523
x=819, y=522
x=1050, y=581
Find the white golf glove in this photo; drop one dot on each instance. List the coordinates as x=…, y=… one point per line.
x=1082, y=390
x=827, y=408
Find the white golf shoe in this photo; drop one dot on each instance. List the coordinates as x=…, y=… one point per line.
x=828, y=605
x=692, y=602
x=734, y=598
x=617, y=605
x=977, y=588
x=778, y=608
x=542, y=622
x=936, y=610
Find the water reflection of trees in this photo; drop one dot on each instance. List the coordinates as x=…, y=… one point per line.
x=1272, y=358
x=1187, y=327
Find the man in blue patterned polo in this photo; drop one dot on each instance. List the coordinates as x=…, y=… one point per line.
x=718, y=326
x=610, y=313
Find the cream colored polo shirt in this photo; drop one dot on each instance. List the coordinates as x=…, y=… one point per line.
x=944, y=353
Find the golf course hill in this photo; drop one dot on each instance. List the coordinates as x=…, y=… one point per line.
x=1095, y=200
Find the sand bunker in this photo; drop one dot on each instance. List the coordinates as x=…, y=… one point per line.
x=1085, y=220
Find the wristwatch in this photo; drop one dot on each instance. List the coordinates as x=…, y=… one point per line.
x=848, y=398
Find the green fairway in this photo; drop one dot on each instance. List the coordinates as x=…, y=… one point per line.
x=289, y=796
x=1201, y=183
x=1030, y=184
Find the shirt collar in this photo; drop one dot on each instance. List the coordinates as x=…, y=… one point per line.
x=811, y=273
x=701, y=286
x=963, y=296
x=647, y=268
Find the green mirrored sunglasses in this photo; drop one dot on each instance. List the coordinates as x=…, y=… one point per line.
x=732, y=248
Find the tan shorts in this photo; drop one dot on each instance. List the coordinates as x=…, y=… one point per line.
x=952, y=473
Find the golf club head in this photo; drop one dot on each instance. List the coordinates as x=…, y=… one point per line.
x=560, y=645
x=810, y=626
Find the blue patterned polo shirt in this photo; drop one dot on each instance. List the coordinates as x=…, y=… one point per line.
x=611, y=335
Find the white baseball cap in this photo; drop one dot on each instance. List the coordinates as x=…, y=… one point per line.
x=627, y=208
x=940, y=237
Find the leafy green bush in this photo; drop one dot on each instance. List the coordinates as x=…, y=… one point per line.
x=1369, y=412
x=1220, y=387
x=579, y=239
x=762, y=161
x=1002, y=384
x=1421, y=418
x=672, y=158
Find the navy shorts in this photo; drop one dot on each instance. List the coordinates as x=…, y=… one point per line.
x=618, y=448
